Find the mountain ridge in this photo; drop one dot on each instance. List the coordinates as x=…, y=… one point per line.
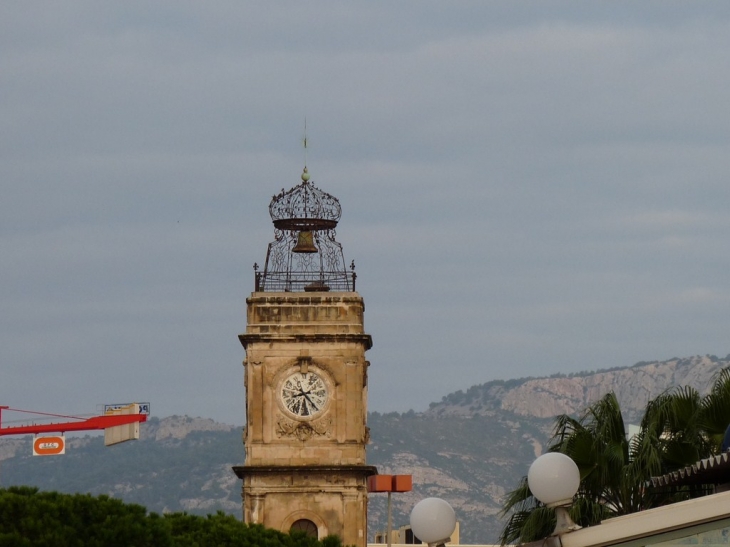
x=470, y=448
x=547, y=396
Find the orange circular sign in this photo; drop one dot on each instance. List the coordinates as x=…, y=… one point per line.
x=48, y=446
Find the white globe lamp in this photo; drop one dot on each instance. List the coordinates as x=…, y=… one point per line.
x=554, y=479
x=433, y=521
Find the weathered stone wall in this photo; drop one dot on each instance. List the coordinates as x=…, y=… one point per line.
x=320, y=333
x=335, y=500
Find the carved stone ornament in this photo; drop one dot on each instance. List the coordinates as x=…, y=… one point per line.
x=303, y=430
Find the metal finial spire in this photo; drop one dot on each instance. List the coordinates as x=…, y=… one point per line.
x=305, y=255
x=304, y=142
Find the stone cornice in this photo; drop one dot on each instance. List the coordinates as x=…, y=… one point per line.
x=365, y=339
x=303, y=298
x=362, y=470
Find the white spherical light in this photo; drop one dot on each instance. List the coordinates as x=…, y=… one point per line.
x=554, y=479
x=433, y=520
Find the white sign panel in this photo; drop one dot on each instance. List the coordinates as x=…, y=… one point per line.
x=142, y=408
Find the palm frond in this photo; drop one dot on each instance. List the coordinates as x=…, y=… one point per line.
x=519, y=499
x=714, y=417
x=538, y=524
x=587, y=512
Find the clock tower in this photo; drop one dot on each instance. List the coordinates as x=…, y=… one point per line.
x=305, y=377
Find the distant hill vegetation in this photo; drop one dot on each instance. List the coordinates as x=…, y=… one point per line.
x=470, y=448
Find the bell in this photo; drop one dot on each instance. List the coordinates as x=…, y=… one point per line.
x=305, y=243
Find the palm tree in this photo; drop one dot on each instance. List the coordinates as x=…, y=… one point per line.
x=529, y=520
x=673, y=423
x=686, y=426
x=611, y=479
x=715, y=416
x=679, y=428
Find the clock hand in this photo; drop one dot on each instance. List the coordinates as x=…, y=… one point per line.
x=300, y=397
x=306, y=396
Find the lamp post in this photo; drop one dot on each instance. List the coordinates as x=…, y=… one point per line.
x=433, y=521
x=390, y=483
x=554, y=479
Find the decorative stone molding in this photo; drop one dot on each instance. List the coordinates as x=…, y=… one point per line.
x=303, y=430
x=257, y=509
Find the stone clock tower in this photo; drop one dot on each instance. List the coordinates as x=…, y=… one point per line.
x=306, y=378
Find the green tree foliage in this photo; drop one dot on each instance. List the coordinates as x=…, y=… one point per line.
x=29, y=517
x=679, y=428
x=39, y=519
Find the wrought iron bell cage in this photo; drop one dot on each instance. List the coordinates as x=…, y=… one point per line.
x=305, y=256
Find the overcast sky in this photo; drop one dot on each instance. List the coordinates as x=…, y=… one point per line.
x=527, y=188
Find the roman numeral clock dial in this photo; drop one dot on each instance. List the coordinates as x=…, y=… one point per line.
x=304, y=394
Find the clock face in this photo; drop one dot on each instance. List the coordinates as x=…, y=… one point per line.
x=304, y=394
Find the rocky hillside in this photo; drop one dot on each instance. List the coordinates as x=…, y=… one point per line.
x=179, y=464
x=471, y=462
x=470, y=448
x=473, y=446
x=179, y=427
x=560, y=394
